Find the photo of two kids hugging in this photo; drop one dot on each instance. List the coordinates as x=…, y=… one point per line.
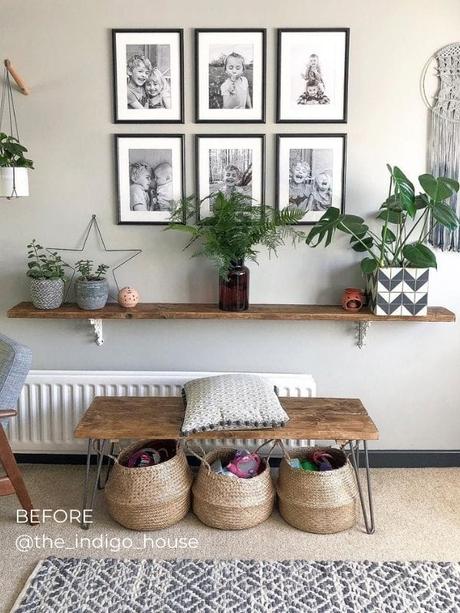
x=147, y=71
x=310, y=185
x=230, y=76
x=314, y=83
x=151, y=180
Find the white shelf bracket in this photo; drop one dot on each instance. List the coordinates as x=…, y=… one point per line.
x=361, y=333
x=98, y=331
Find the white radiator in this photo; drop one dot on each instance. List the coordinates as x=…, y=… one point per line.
x=52, y=402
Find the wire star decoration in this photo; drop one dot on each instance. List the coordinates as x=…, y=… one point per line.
x=94, y=224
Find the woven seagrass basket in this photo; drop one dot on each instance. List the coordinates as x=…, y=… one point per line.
x=320, y=502
x=231, y=503
x=152, y=497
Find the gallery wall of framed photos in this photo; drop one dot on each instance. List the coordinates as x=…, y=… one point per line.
x=230, y=87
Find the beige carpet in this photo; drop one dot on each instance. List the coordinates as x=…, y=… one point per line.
x=417, y=515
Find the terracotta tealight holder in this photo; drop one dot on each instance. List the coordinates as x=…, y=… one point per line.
x=353, y=299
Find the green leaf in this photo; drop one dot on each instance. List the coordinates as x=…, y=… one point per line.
x=445, y=215
x=392, y=203
x=421, y=202
x=391, y=216
x=388, y=235
x=406, y=191
x=420, y=256
x=452, y=183
x=437, y=189
x=325, y=227
x=368, y=265
x=361, y=245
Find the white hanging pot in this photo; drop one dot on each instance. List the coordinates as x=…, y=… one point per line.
x=14, y=182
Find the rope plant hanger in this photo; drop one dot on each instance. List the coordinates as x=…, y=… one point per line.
x=444, y=132
x=13, y=165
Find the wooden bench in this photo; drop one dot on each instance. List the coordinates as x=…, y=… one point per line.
x=110, y=419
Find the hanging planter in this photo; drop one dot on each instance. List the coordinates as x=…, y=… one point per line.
x=14, y=182
x=14, y=166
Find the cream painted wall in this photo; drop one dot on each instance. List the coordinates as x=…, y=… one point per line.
x=407, y=376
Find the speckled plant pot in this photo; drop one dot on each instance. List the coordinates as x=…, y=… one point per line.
x=91, y=295
x=47, y=293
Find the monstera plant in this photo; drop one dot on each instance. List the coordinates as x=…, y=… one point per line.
x=397, y=257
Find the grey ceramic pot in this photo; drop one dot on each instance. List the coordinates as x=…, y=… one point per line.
x=91, y=295
x=47, y=293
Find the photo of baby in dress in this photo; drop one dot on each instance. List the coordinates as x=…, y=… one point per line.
x=151, y=180
x=310, y=179
x=231, y=76
x=148, y=76
x=230, y=170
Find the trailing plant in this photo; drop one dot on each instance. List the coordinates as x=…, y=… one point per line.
x=43, y=264
x=87, y=272
x=12, y=153
x=234, y=228
x=406, y=220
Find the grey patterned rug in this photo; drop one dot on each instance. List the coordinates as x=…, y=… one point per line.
x=71, y=585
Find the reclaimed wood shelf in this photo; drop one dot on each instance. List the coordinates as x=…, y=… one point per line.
x=293, y=312
x=261, y=312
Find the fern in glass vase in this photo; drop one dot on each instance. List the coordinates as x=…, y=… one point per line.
x=235, y=228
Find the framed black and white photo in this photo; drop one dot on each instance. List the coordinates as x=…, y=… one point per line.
x=229, y=163
x=312, y=79
x=310, y=173
x=150, y=174
x=148, y=76
x=230, y=75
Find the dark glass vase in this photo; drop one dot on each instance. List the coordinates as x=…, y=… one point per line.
x=234, y=290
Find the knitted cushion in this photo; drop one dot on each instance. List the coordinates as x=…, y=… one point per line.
x=231, y=402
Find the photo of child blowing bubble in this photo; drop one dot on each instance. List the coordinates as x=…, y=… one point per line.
x=230, y=76
x=235, y=88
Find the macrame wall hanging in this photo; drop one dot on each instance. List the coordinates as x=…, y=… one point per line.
x=444, y=131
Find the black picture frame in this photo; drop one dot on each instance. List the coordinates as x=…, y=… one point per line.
x=197, y=33
x=116, y=111
x=343, y=118
x=228, y=137
x=342, y=183
x=118, y=138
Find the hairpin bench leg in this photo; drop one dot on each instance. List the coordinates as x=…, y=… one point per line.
x=369, y=520
x=100, y=445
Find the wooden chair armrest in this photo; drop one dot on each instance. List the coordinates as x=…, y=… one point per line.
x=7, y=413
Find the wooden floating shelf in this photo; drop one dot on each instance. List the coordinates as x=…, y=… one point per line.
x=287, y=312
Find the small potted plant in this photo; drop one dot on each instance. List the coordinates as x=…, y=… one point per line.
x=14, y=178
x=229, y=236
x=46, y=271
x=92, y=289
x=398, y=260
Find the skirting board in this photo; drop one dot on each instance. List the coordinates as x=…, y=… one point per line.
x=430, y=458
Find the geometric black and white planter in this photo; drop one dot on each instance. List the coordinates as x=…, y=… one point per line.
x=398, y=291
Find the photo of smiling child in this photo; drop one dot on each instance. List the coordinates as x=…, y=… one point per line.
x=230, y=76
x=230, y=170
x=147, y=74
x=310, y=179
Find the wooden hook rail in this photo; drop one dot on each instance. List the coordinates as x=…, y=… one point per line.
x=19, y=80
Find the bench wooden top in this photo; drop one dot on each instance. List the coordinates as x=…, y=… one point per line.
x=160, y=417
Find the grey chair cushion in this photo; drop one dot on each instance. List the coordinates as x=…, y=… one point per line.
x=231, y=402
x=15, y=363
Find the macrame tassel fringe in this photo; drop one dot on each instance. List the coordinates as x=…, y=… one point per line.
x=445, y=162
